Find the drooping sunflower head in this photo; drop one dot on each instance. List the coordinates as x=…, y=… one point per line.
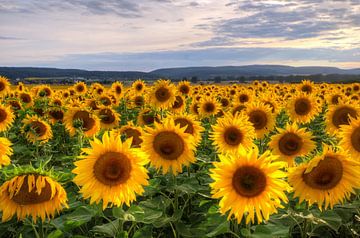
x=6, y=117
x=138, y=100
x=232, y=133
x=248, y=184
x=36, y=129
x=302, y=108
x=111, y=171
x=208, y=106
x=162, y=94
x=105, y=100
x=31, y=195
x=80, y=88
x=134, y=132
x=168, y=147
x=147, y=117
x=194, y=108
x=184, y=87
x=56, y=115
x=339, y=115
x=4, y=86
x=179, y=104
x=327, y=179
x=5, y=151
x=118, y=89
x=81, y=119
x=44, y=91
x=291, y=142
x=192, y=125
x=238, y=108
x=261, y=117
x=350, y=138
x=26, y=99
x=109, y=118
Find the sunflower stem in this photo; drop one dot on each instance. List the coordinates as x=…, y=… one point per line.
x=35, y=231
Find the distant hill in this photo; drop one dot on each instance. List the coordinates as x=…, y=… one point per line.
x=272, y=72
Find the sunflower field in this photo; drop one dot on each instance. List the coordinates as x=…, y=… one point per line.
x=180, y=160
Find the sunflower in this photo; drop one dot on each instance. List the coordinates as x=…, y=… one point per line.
x=138, y=100
x=162, y=94
x=179, y=104
x=15, y=105
x=138, y=86
x=350, y=138
x=231, y=133
x=208, y=107
x=184, y=87
x=111, y=171
x=31, y=195
x=194, y=108
x=118, y=89
x=307, y=87
x=168, y=146
x=82, y=119
x=26, y=99
x=44, y=91
x=5, y=151
x=326, y=179
x=80, y=88
x=237, y=108
x=261, y=117
x=291, y=142
x=244, y=96
x=134, y=132
x=193, y=126
x=56, y=115
x=339, y=115
x=36, y=129
x=248, y=185
x=6, y=117
x=302, y=108
x=109, y=118
x=147, y=117
x=105, y=100
x=4, y=86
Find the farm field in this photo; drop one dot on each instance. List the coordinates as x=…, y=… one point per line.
x=180, y=160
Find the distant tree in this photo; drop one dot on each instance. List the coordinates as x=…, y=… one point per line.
x=217, y=79
x=194, y=79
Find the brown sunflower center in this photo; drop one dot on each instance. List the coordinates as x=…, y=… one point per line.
x=249, y=181
x=258, y=118
x=107, y=116
x=209, y=107
x=302, y=106
x=3, y=115
x=139, y=87
x=38, y=127
x=162, y=94
x=24, y=197
x=80, y=88
x=118, y=90
x=139, y=101
x=306, y=88
x=112, y=168
x=290, y=144
x=135, y=134
x=195, y=108
x=87, y=122
x=15, y=105
x=178, y=102
x=25, y=98
x=355, y=139
x=149, y=119
x=57, y=115
x=335, y=99
x=169, y=145
x=233, y=136
x=326, y=175
x=341, y=116
x=105, y=101
x=184, y=89
x=224, y=102
x=184, y=122
x=243, y=98
x=2, y=86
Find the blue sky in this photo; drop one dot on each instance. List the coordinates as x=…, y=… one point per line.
x=150, y=34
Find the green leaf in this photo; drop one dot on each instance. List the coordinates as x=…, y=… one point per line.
x=55, y=234
x=144, y=232
x=109, y=229
x=222, y=228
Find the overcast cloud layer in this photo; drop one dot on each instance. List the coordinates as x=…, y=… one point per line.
x=151, y=34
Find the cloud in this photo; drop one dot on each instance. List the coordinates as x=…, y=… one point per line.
x=10, y=38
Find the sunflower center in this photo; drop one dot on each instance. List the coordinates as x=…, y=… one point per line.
x=209, y=107
x=302, y=106
x=38, y=127
x=326, y=175
x=2, y=86
x=169, y=145
x=24, y=197
x=249, y=181
x=335, y=99
x=118, y=90
x=57, y=115
x=224, y=102
x=15, y=105
x=162, y=94
x=258, y=118
x=135, y=134
x=112, y=168
x=306, y=88
x=233, y=136
x=184, y=122
x=25, y=98
x=87, y=122
x=196, y=108
x=106, y=116
x=341, y=116
x=290, y=144
x=355, y=139
x=105, y=101
x=243, y=98
x=184, y=89
x=80, y=88
x=139, y=101
x=139, y=87
x=3, y=115
x=178, y=102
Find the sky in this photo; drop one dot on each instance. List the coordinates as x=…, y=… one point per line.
x=144, y=35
